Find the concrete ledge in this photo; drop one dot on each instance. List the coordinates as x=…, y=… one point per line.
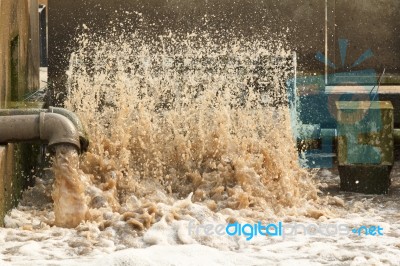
x=6, y=176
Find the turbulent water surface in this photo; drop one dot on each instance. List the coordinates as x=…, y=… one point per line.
x=187, y=128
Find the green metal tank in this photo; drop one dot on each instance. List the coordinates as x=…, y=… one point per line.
x=365, y=145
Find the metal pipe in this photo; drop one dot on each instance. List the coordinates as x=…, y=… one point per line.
x=19, y=128
x=55, y=129
x=83, y=139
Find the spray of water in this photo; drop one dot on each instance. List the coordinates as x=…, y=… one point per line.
x=185, y=116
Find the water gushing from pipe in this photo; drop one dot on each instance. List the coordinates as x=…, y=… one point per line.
x=68, y=189
x=65, y=136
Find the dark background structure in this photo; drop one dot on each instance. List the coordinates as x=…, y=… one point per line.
x=366, y=24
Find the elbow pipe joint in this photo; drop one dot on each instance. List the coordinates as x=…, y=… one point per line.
x=57, y=129
x=83, y=138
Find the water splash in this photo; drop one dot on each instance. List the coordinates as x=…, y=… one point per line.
x=186, y=115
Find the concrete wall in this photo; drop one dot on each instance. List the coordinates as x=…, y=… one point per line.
x=304, y=18
x=6, y=173
x=19, y=75
x=367, y=24
x=19, y=54
x=17, y=161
